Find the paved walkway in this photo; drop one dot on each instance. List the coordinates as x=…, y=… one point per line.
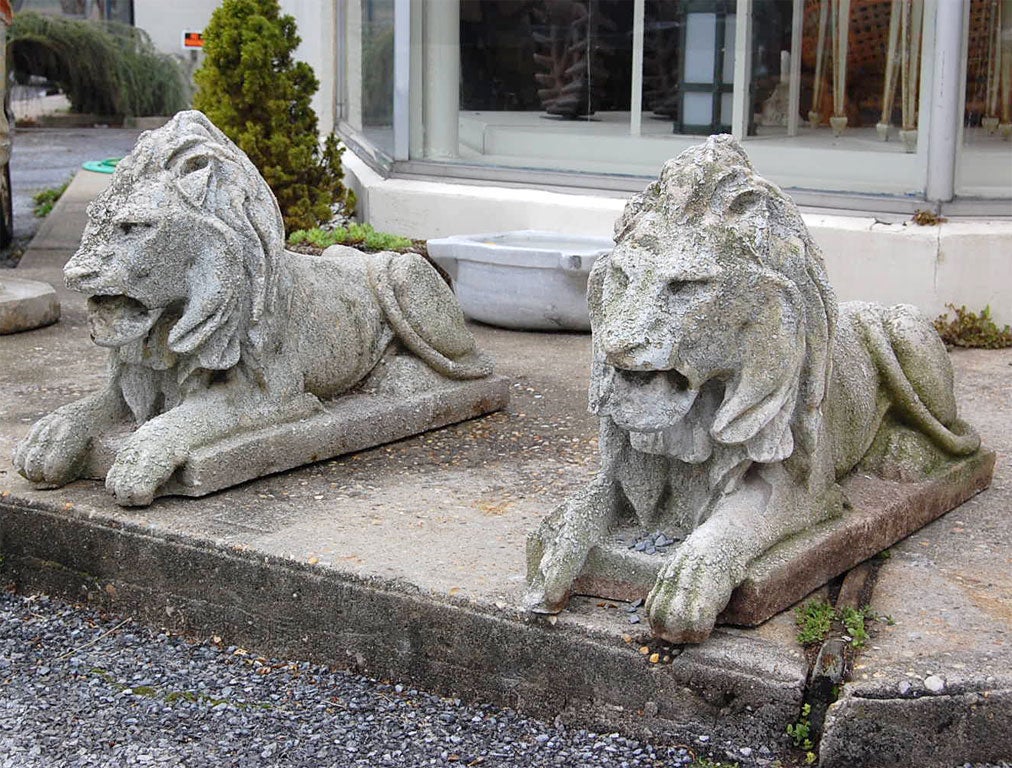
x=416, y=551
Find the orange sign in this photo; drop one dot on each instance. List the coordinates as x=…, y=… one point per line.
x=191, y=39
x=6, y=14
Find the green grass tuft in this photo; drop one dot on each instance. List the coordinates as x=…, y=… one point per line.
x=46, y=199
x=357, y=235
x=814, y=619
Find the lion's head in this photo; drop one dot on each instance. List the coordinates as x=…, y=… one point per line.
x=184, y=238
x=712, y=318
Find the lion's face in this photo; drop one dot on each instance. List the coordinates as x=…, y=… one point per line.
x=186, y=234
x=130, y=263
x=699, y=340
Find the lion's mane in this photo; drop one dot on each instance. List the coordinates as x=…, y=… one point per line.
x=712, y=188
x=238, y=234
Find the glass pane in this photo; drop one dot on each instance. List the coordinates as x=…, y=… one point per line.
x=985, y=164
x=545, y=83
x=698, y=109
x=728, y=55
x=378, y=72
x=850, y=118
x=700, y=41
x=726, y=107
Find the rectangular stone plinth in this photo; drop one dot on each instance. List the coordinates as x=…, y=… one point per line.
x=881, y=513
x=347, y=424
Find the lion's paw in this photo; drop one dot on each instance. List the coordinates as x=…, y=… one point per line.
x=550, y=586
x=692, y=588
x=53, y=452
x=141, y=467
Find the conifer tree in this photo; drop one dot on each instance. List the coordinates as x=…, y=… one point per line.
x=259, y=96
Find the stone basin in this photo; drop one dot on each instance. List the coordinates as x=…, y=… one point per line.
x=526, y=279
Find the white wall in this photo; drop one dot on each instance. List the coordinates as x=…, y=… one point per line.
x=960, y=261
x=166, y=22
x=317, y=26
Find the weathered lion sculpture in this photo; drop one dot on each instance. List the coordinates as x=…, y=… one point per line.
x=213, y=327
x=733, y=393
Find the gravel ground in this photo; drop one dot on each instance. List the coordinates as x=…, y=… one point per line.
x=84, y=689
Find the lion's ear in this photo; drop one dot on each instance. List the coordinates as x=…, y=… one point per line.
x=195, y=178
x=759, y=403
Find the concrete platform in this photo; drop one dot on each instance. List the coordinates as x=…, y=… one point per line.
x=407, y=562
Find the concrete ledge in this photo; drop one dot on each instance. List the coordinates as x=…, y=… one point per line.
x=961, y=261
x=59, y=233
x=740, y=689
x=968, y=724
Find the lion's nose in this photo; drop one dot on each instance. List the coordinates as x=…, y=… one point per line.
x=80, y=270
x=635, y=352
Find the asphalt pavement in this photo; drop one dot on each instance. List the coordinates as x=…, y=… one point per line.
x=43, y=158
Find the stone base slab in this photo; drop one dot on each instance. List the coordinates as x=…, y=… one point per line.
x=347, y=424
x=26, y=304
x=881, y=513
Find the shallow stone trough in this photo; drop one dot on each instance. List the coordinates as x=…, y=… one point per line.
x=524, y=279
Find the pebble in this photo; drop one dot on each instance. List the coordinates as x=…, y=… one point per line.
x=934, y=683
x=904, y=687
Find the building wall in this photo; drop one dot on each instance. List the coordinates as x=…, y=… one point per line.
x=317, y=27
x=166, y=22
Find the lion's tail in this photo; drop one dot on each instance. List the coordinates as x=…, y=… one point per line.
x=912, y=360
x=425, y=315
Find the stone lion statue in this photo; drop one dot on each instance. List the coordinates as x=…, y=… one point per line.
x=733, y=392
x=213, y=328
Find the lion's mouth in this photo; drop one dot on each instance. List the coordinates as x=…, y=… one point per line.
x=118, y=320
x=650, y=401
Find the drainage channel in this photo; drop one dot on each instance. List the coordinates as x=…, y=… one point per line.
x=833, y=662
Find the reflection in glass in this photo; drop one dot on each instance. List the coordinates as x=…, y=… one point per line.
x=378, y=72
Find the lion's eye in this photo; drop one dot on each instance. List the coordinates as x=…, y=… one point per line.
x=620, y=277
x=127, y=227
x=677, y=286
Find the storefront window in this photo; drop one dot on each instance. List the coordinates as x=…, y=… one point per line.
x=827, y=95
x=985, y=162
x=378, y=73
x=548, y=83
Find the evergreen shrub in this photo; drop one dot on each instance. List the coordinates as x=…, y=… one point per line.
x=251, y=88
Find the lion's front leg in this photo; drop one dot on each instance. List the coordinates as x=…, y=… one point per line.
x=56, y=450
x=565, y=539
x=162, y=445
x=696, y=583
